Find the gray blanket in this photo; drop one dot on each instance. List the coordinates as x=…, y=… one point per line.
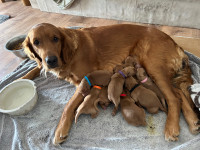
x=35, y=130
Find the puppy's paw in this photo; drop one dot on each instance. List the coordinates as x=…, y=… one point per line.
x=171, y=134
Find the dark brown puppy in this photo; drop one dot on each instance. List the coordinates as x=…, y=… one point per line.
x=115, y=86
x=99, y=77
x=149, y=84
x=133, y=114
x=143, y=96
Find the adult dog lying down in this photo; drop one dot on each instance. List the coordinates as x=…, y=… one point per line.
x=71, y=54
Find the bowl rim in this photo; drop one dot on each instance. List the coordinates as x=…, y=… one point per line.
x=5, y=46
x=10, y=84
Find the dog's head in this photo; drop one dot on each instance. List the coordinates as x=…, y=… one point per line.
x=130, y=82
x=141, y=73
x=117, y=68
x=49, y=46
x=84, y=87
x=129, y=71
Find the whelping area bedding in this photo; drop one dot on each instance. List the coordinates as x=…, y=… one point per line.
x=35, y=130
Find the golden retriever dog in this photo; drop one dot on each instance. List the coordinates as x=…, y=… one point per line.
x=72, y=54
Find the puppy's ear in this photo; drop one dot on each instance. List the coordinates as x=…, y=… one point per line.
x=28, y=49
x=118, y=68
x=69, y=44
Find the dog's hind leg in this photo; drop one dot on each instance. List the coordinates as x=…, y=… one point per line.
x=182, y=81
x=190, y=115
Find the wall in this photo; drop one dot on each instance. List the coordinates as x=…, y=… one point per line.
x=184, y=13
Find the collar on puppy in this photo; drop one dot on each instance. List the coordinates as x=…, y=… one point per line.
x=134, y=88
x=122, y=74
x=123, y=95
x=145, y=80
x=88, y=80
x=97, y=87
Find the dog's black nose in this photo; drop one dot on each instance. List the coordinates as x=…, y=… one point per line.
x=51, y=61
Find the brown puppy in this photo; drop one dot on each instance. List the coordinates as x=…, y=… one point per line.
x=149, y=84
x=99, y=77
x=72, y=54
x=89, y=105
x=143, y=96
x=129, y=61
x=116, y=84
x=133, y=114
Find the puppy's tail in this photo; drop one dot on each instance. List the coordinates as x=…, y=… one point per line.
x=78, y=113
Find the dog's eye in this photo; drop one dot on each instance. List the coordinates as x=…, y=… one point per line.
x=36, y=42
x=55, y=39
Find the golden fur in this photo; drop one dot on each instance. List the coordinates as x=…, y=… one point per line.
x=80, y=52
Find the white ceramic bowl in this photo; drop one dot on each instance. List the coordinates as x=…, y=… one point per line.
x=18, y=97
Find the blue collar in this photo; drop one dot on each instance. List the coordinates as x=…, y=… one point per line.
x=88, y=80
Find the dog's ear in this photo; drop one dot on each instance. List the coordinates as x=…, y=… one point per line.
x=69, y=44
x=28, y=49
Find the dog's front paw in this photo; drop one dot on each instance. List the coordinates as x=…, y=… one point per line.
x=171, y=134
x=60, y=136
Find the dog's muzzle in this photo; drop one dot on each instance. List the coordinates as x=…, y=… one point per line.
x=52, y=61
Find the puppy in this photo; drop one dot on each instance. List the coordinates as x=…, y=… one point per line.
x=99, y=77
x=115, y=86
x=129, y=61
x=89, y=105
x=133, y=114
x=143, y=96
x=149, y=84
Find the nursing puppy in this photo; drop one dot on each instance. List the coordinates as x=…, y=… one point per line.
x=89, y=105
x=130, y=61
x=133, y=114
x=149, y=84
x=99, y=77
x=116, y=84
x=143, y=96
